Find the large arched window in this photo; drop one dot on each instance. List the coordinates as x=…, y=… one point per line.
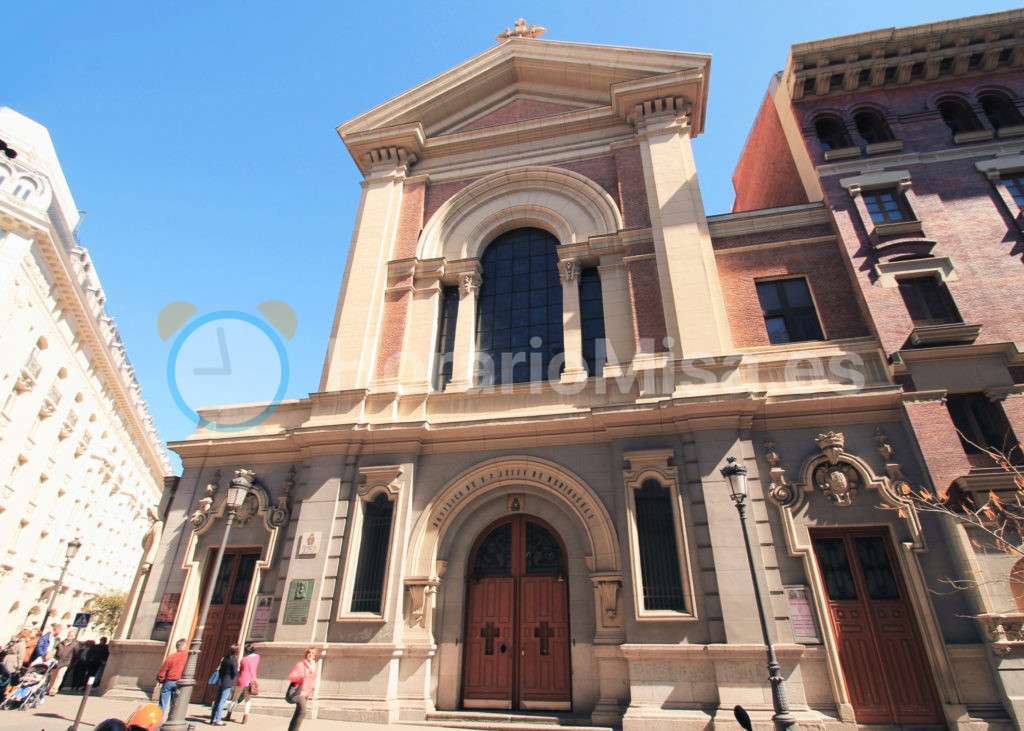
x=519, y=321
x=871, y=127
x=1000, y=111
x=958, y=116
x=831, y=133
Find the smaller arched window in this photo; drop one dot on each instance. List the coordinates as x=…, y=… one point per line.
x=1000, y=111
x=831, y=133
x=23, y=189
x=958, y=116
x=871, y=127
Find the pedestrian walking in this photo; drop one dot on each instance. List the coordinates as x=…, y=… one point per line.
x=66, y=653
x=170, y=674
x=227, y=676
x=247, y=683
x=303, y=675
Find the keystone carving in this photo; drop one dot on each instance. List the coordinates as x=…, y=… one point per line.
x=832, y=445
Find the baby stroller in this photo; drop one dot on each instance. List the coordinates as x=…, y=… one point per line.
x=31, y=690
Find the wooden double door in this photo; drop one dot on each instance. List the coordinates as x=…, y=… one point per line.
x=227, y=612
x=517, y=619
x=886, y=671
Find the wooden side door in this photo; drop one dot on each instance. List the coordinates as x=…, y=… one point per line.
x=880, y=649
x=227, y=612
x=489, y=643
x=517, y=644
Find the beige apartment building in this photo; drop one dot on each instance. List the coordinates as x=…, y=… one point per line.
x=79, y=456
x=505, y=496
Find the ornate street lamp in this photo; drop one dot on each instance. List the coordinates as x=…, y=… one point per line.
x=69, y=553
x=237, y=491
x=736, y=474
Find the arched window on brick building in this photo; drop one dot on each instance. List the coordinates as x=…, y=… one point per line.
x=831, y=133
x=958, y=116
x=871, y=127
x=1000, y=111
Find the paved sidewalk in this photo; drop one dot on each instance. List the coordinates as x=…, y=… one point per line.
x=58, y=713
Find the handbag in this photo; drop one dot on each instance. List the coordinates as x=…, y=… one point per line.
x=215, y=678
x=292, y=693
x=254, y=688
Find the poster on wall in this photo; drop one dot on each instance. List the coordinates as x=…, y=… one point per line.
x=168, y=610
x=296, y=609
x=261, y=617
x=801, y=614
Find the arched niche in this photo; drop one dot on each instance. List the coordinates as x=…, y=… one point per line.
x=569, y=205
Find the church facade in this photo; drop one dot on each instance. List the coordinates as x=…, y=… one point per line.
x=506, y=497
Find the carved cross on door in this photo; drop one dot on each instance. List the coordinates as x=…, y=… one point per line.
x=544, y=632
x=489, y=633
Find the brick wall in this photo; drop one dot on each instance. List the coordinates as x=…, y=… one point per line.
x=943, y=454
x=838, y=309
x=410, y=220
x=766, y=175
x=517, y=111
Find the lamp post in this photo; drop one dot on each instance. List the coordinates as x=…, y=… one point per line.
x=237, y=491
x=736, y=474
x=69, y=553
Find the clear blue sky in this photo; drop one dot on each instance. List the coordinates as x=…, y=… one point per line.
x=199, y=136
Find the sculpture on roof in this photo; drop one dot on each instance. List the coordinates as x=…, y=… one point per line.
x=522, y=31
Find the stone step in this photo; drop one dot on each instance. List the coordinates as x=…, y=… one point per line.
x=506, y=721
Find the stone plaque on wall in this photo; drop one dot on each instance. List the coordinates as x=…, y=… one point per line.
x=168, y=610
x=296, y=609
x=261, y=617
x=309, y=543
x=801, y=615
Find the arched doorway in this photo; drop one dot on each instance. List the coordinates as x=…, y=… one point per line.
x=517, y=619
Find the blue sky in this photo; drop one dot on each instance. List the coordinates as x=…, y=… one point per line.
x=199, y=136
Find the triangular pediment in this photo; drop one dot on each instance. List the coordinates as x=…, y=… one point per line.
x=522, y=79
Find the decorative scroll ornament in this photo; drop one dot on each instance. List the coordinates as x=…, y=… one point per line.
x=780, y=491
x=838, y=482
x=832, y=445
x=257, y=503
x=608, y=591
x=897, y=480
x=279, y=514
x=201, y=515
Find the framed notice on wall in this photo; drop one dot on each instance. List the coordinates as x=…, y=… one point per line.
x=296, y=608
x=167, y=612
x=261, y=617
x=801, y=614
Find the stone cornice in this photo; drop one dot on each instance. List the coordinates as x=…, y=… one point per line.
x=684, y=92
x=391, y=147
x=982, y=44
x=769, y=219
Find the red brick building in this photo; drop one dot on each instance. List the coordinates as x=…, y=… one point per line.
x=913, y=139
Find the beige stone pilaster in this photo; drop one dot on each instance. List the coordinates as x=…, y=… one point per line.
x=352, y=350
x=572, y=332
x=420, y=336
x=688, y=275
x=618, y=325
x=464, y=367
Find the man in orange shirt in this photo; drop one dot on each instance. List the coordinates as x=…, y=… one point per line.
x=170, y=674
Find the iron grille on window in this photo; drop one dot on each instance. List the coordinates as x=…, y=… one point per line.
x=659, y=550
x=788, y=309
x=373, y=555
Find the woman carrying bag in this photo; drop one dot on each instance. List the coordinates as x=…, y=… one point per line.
x=303, y=677
x=227, y=675
x=247, y=685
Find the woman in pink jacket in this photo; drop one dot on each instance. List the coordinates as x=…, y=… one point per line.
x=247, y=686
x=303, y=675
